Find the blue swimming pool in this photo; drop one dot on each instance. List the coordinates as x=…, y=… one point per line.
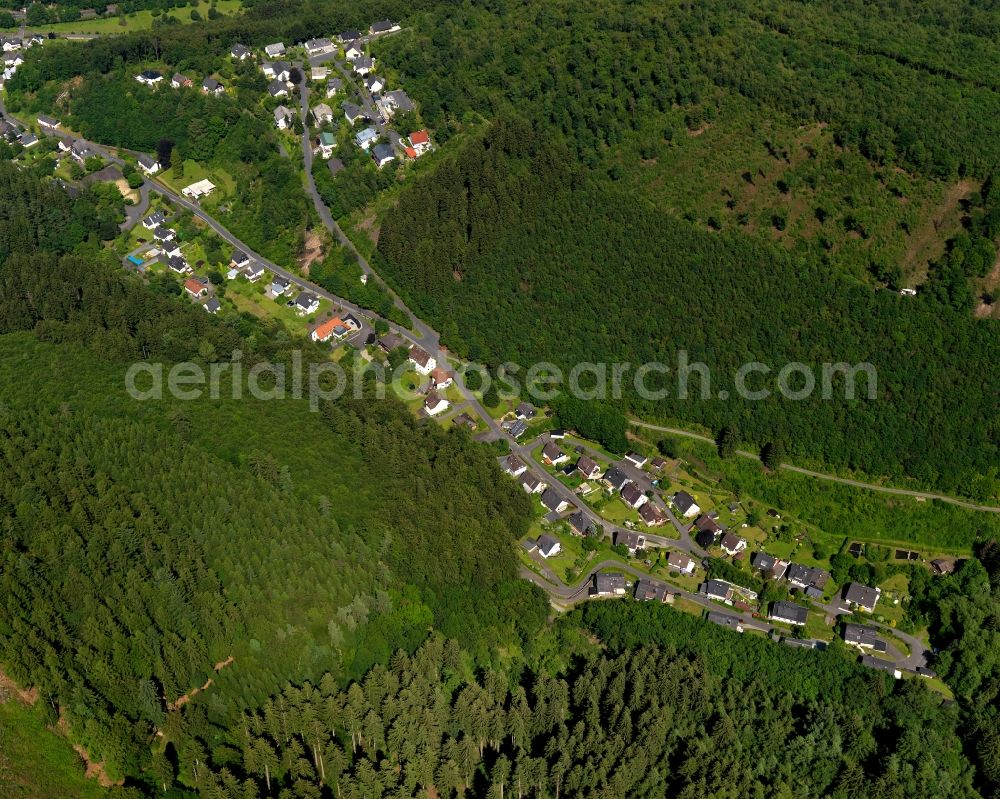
x=135, y=260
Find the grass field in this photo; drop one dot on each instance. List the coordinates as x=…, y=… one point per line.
x=140, y=20
x=36, y=762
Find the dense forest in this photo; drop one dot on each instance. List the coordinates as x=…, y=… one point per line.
x=481, y=246
x=144, y=545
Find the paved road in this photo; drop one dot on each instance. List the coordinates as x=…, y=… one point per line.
x=903, y=492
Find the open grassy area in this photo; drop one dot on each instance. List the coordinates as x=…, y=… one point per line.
x=36, y=762
x=140, y=20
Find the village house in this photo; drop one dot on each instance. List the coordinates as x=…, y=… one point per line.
x=154, y=220
x=633, y=496
x=514, y=466
x=148, y=164
x=331, y=328
x=678, y=561
x=279, y=286
x=195, y=288
x=318, y=47
x=420, y=141
x=352, y=113
x=863, y=637
x=422, y=360
x=319, y=73
x=685, y=504
x=771, y=567
x=348, y=36
x=441, y=378
x=325, y=145
x=178, y=265
x=552, y=455
x=383, y=26
x=615, y=479
x=525, y=411
x=706, y=523
x=578, y=523
x=788, y=612
x=608, y=584
x=861, y=597
x=658, y=464
x=240, y=52
x=149, y=77
x=651, y=515
x=881, y=665
x=163, y=234
x=732, y=544
x=553, y=501
x=354, y=49
x=647, y=590
x=636, y=459
x=179, y=81
x=284, y=117
x=212, y=305
x=363, y=65
x=390, y=342
x=382, y=154
x=213, y=87
x=276, y=70
x=306, y=303
x=391, y=102
x=532, y=485
x=334, y=86
x=47, y=124
x=253, y=271
x=719, y=590
x=28, y=139
x=725, y=620
x=434, y=403
x=322, y=113
x=81, y=152
x=198, y=189
x=633, y=542
x=548, y=546
x=366, y=138
x=589, y=468
x=274, y=50
x=806, y=577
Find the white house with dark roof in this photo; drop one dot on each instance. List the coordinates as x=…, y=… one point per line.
x=588, y=467
x=240, y=52
x=608, y=584
x=284, y=117
x=633, y=496
x=633, y=542
x=552, y=500
x=552, y=455
x=363, y=65
x=322, y=113
x=678, y=561
x=862, y=597
x=514, y=466
x=274, y=50
x=383, y=26
x=213, y=87
x=318, y=47
x=422, y=360
x=685, y=504
x=149, y=77
x=306, y=303
x=788, y=612
x=863, y=637
x=353, y=50
x=148, y=164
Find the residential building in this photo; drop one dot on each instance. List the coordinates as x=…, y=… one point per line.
x=306, y=303
x=434, y=403
x=382, y=154
x=253, y=271
x=325, y=145
x=391, y=102
x=240, y=52
x=213, y=87
x=881, y=665
x=354, y=50
x=28, y=139
x=636, y=459
x=862, y=597
x=514, y=466
x=588, y=467
x=633, y=542
x=552, y=455
x=420, y=141
x=633, y=496
x=201, y=188
x=725, y=620
x=553, y=501
x=390, y=342
x=163, y=234
x=239, y=259
x=658, y=464
x=366, y=138
x=178, y=265
x=863, y=637
x=685, y=504
x=317, y=47
x=374, y=84
x=608, y=584
x=772, y=568
x=278, y=70
x=651, y=515
x=195, y=288
x=148, y=164
x=518, y=428
x=212, y=305
x=154, y=220
x=349, y=36
x=708, y=524
x=805, y=576
x=322, y=113
x=548, y=546
x=615, y=479
x=284, y=117
x=274, y=50
x=334, y=86
x=383, y=26
x=941, y=566
x=352, y=113
x=422, y=360
x=788, y=612
x=532, y=484
x=179, y=81
x=579, y=524
x=319, y=73
x=732, y=544
x=647, y=590
x=331, y=328
x=525, y=411
x=363, y=65
x=279, y=286
x=47, y=123
x=678, y=561
x=149, y=77
x=441, y=378
x=718, y=589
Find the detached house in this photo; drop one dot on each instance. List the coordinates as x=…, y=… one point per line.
x=179, y=81
x=685, y=504
x=633, y=542
x=331, y=328
x=279, y=286
x=322, y=113
x=213, y=87
x=383, y=26
x=732, y=544
x=334, y=86
x=352, y=113
x=434, y=403
x=284, y=117
x=325, y=144
x=441, y=378
x=636, y=459
x=651, y=515
x=788, y=612
x=863, y=637
x=374, y=84
x=772, y=568
x=364, y=65
x=548, y=546
x=862, y=597
x=552, y=455
x=681, y=562
x=554, y=502
x=514, y=466
x=148, y=164
x=278, y=88
x=253, y=271
x=318, y=47
x=422, y=360
x=608, y=584
x=366, y=138
x=275, y=50
x=154, y=220
x=354, y=49
x=647, y=590
x=531, y=484
x=149, y=77
x=616, y=479
x=633, y=496
x=306, y=303
x=589, y=468
x=195, y=288
x=240, y=52
x=48, y=124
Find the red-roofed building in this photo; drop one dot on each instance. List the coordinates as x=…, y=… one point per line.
x=420, y=141
x=194, y=288
x=330, y=328
x=410, y=152
x=441, y=378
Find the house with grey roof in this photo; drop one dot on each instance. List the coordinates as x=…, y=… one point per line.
x=863, y=637
x=608, y=584
x=647, y=590
x=862, y=597
x=788, y=612
x=240, y=52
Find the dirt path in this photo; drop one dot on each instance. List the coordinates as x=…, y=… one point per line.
x=185, y=698
x=9, y=689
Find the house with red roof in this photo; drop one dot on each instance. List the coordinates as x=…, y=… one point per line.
x=420, y=142
x=195, y=288
x=331, y=328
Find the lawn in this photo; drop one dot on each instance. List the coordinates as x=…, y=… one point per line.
x=193, y=172
x=36, y=762
x=140, y=20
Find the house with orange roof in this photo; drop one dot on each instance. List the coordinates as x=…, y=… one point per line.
x=441, y=378
x=420, y=142
x=195, y=288
x=334, y=328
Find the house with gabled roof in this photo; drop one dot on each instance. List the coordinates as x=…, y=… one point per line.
x=732, y=544
x=548, y=546
x=383, y=26
x=420, y=141
x=514, y=466
x=863, y=637
x=788, y=612
x=553, y=501
x=362, y=65
x=633, y=496
x=770, y=566
x=382, y=154
x=651, y=515
x=240, y=52
x=306, y=303
x=862, y=597
x=680, y=562
x=588, y=467
x=275, y=50
x=633, y=542
x=434, y=403
x=422, y=361
x=552, y=455
x=608, y=584
x=647, y=590
x=318, y=47
x=685, y=504
x=179, y=81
